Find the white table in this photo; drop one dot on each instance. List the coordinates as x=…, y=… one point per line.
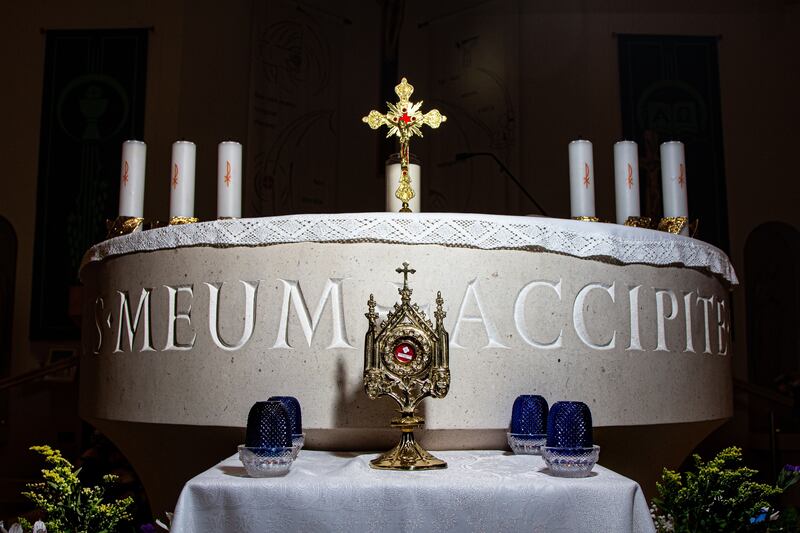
x=479, y=491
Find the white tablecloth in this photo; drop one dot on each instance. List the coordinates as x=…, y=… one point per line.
x=479, y=491
x=620, y=244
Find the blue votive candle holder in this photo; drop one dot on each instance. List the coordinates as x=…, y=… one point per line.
x=570, y=450
x=268, y=449
x=528, y=431
x=292, y=406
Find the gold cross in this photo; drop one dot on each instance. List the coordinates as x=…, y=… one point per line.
x=404, y=119
x=405, y=271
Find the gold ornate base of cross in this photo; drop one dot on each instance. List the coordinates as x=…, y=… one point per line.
x=405, y=120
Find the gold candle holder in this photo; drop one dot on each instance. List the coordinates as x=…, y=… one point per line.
x=639, y=222
x=673, y=224
x=586, y=219
x=177, y=221
x=123, y=226
x=406, y=358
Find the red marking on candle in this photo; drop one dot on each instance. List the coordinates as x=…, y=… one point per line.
x=228, y=177
x=175, y=177
x=586, y=175
x=630, y=176
x=125, y=173
x=681, y=177
x=404, y=353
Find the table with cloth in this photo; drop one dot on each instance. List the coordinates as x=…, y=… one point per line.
x=484, y=490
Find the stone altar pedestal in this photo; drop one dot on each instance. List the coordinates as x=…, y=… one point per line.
x=185, y=327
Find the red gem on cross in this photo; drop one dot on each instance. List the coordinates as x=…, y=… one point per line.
x=405, y=118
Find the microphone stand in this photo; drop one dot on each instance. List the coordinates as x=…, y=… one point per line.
x=466, y=155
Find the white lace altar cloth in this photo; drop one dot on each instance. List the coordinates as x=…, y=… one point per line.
x=479, y=491
x=614, y=242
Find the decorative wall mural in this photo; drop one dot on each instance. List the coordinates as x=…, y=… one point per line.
x=295, y=89
x=669, y=90
x=470, y=62
x=93, y=100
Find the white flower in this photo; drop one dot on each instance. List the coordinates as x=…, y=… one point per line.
x=161, y=524
x=38, y=527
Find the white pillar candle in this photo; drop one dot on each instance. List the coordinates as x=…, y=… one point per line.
x=673, y=181
x=131, y=181
x=626, y=180
x=229, y=180
x=581, y=179
x=181, y=184
x=393, y=204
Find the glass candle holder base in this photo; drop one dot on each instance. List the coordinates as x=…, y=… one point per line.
x=570, y=462
x=298, y=440
x=526, y=444
x=266, y=462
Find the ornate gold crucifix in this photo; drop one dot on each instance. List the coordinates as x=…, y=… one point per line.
x=404, y=119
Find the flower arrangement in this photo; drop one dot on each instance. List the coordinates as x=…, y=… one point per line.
x=69, y=507
x=719, y=495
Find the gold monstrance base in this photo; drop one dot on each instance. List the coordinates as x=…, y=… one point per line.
x=407, y=455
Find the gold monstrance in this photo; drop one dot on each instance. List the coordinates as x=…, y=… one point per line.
x=405, y=120
x=406, y=358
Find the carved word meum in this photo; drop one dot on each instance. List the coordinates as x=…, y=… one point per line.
x=128, y=317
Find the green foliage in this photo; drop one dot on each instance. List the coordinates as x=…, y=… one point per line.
x=719, y=495
x=69, y=507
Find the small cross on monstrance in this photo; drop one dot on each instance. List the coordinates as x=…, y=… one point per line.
x=405, y=292
x=404, y=119
x=405, y=271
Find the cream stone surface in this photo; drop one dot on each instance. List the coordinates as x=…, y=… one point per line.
x=288, y=319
